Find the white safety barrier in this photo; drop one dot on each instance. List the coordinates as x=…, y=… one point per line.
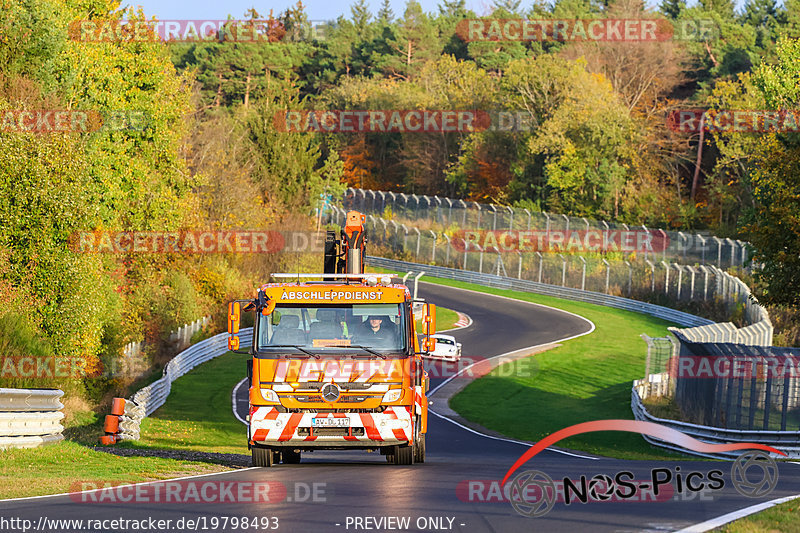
x=30, y=417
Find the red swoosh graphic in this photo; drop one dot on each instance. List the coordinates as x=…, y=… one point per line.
x=635, y=426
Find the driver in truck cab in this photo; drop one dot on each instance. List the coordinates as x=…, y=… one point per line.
x=377, y=331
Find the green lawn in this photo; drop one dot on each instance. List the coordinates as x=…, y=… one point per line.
x=56, y=468
x=445, y=319
x=197, y=415
x=779, y=519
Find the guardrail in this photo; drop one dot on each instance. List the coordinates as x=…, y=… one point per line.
x=30, y=417
x=155, y=395
x=785, y=441
x=501, y=282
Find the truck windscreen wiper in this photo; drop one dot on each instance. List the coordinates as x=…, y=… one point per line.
x=296, y=347
x=373, y=352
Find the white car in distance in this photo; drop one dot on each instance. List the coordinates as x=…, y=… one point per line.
x=447, y=348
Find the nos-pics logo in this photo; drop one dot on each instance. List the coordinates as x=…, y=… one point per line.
x=533, y=493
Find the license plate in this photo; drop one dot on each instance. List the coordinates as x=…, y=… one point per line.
x=330, y=422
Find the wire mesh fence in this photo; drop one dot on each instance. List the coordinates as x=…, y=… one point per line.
x=739, y=387
x=634, y=276
x=419, y=210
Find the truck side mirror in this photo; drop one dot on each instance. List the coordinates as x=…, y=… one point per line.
x=269, y=308
x=234, y=317
x=428, y=319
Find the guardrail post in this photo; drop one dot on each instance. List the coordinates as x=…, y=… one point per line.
x=608, y=275
x=563, y=270
x=666, y=278
x=583, y=272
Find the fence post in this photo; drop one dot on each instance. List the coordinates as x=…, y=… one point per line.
x=653, y=276
x=529, y=218
x=541, y=264
x=447, y=258
x=666, y=278
x=464, y=213
x=519, y=269
x=680, y=278
x=480, y=264
x=563, y=270
x=719, y=252
x=705, y=281
x=494, y=217
x=583, y=272
x=419, y=238
x=691, y=284
x=433, y=248
x=733, y=252
x=478, y=225
x=702, y=248
x=608, y=274
x=630, y=277
x=566, y=229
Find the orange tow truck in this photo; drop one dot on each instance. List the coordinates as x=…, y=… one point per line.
x=336, y=362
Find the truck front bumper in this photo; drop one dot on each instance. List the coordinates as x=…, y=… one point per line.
x=390, y=427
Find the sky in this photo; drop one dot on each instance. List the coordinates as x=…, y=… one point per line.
x=316, y=9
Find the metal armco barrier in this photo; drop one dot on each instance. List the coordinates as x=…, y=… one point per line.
x=147, y=400
x=30, y=417
x=501, y=282
x=785, y=441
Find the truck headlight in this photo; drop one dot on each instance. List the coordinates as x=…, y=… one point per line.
x=392, y=396
x=270, y=395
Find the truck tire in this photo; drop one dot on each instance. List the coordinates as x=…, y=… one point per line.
x=404, y=455
x=419, y=450
x=419, y=445
x=290, y=457
x=262, y=457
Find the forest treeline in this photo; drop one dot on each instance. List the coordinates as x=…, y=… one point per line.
x=210, y=157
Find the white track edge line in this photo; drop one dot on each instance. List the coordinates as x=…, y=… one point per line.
x=735, y=515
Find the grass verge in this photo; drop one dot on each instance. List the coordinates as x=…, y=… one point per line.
x=445, y=319
x=197, y=415
x=62, y=467
x=779, y=519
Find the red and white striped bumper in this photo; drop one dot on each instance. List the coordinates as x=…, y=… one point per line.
x=393, y=426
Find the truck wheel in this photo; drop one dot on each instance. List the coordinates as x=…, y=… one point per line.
x=262, y=457
x=404, y=455
x=419, y=450
x=290, y=457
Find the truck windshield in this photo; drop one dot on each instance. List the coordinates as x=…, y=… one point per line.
x=332, y=329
